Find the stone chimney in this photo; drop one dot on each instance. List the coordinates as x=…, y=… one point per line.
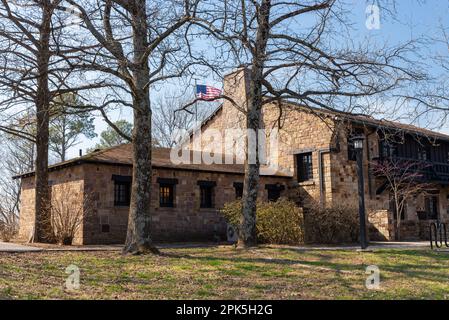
x=232, y=121
x=235, y=86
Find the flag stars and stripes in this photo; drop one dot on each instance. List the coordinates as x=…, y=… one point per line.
x=207, y=92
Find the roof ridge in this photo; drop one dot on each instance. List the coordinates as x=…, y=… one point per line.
x=100, y=151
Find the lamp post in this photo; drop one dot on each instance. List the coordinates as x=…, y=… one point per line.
x=358, y=146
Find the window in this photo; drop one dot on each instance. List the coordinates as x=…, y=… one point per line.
x=105, y=227
x=274, y=195
x=389, y=150
x=304, y=167
x=166, y=195
x=431, y=204
x=424, y=153
x=206, y=193
x=167, y=192
x=206, y=196
x=238, y=186
x=352, y=154
x=122, y=190
x=274, y=191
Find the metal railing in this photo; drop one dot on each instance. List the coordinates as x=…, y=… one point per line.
x=438, y=235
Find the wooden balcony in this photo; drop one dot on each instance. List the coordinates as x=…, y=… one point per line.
x=432, y=172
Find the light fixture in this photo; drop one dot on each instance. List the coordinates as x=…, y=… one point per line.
x=358, y=146
x=358, y=141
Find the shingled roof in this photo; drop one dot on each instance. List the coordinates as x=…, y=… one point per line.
x=356, y=118
x=381, y=123
x=122, y=155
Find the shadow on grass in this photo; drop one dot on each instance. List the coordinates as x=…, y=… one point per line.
x=427, y=265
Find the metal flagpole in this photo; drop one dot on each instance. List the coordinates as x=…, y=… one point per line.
x=196, y=102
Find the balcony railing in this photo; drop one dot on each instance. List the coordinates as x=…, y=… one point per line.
x=432, y=171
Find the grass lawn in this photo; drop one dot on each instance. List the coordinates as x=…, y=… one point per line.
x=227, y=273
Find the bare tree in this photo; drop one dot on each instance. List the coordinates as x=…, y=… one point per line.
x=138, y=46
x=428, y=105
x=18, y=157
x=300, y=62
x=33, y=72
x=167, y=121
x=404, y=180
x=70, y=207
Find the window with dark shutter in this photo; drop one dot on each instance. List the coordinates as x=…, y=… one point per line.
x=304, y=167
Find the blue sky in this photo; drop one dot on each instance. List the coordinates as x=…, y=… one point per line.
x=412, y=18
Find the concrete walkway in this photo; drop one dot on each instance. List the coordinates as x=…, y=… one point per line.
x=38, y=247
x=374, y=245
x=12, y=247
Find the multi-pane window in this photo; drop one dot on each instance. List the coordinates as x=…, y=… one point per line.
x=431, y=204
x=304, y=166
x=122, y=191
x=206, y=193
x=166, y=195
x=167, y=192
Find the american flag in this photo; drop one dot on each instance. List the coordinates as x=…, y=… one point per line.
x=207, y=92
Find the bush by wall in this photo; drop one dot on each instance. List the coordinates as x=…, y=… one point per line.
x=279, y=222
x=332, y=225
x=8, y=231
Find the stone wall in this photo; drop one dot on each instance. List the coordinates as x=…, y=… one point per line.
x=298, y=132
x=72, y=177
x=186, y=221
x=379, y=225
x=302, y=130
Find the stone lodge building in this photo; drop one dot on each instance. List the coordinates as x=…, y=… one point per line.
x=316, y=166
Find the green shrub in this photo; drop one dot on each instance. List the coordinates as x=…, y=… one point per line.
x=336, y=224
x=278, y=222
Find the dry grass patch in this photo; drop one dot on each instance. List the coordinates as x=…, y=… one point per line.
x=226, y=273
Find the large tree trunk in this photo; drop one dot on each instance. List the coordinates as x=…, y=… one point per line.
x=247, y=233
x=43, y=231
x=138, y=239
